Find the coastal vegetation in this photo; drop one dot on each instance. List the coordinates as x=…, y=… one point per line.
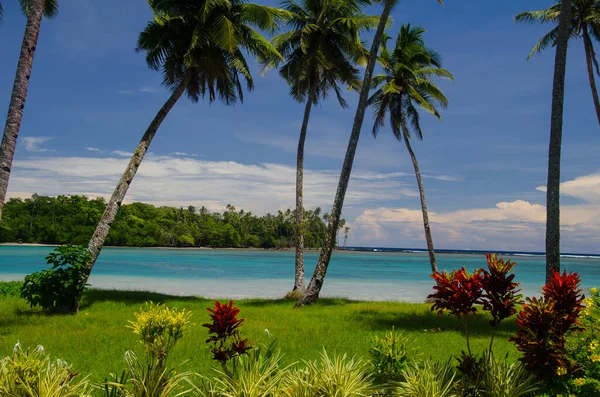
x=72, y=220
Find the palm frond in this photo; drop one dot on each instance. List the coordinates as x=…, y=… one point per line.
x=546, y=41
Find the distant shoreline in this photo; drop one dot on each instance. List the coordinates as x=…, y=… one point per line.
x=378, y=250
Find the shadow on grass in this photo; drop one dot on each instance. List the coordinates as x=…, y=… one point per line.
x=93, y=296
x=420, y=321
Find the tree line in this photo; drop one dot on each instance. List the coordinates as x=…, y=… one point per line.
x=73, y=219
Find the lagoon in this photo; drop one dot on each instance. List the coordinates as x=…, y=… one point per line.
x=238, y=273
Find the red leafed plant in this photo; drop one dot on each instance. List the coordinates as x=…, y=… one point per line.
x=543, y=324
x=225, y=327
x=500, y=293
x=457, y=292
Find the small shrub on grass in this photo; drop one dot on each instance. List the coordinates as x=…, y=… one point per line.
x=31, y=373
x=391, y=353
x=159, y=328
x=544, y=323
x=10, y=288
x=225, y=340
x=329, y=376
x=429, y=379
x=59, y=289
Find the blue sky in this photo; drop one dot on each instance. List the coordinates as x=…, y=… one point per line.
x=91, y=98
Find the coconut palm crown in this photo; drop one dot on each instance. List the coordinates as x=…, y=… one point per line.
x=405, y=86
x=323, y=46
x=584, y=23
x=204, y=43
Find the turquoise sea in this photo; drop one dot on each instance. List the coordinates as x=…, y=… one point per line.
x=238, y=274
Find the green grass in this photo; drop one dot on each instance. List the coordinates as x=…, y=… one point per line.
x=95, y=340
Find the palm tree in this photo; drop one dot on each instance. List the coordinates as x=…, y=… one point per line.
x=404, y=87
x=556, y=124
x=321, y=50
x=584, y=22
x=316, y=283
x=34, y=9
x=199, y=46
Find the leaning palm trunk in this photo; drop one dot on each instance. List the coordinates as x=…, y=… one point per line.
x=19, y=95
x=299, y=273
x=589, y=55
x=423, y=202
x=556, y=124
x=316, y=282
x=97, y=240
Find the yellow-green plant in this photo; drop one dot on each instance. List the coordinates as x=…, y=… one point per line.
x=391, y=353
x=257, y=374
x=31, y=373
x=159, y=328
x=504, y=379
x=430, y=379
x=330, y=376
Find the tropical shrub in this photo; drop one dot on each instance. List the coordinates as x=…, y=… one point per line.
x=391, y=353
x=583, y=352
x=500, y=293
x=543, y=325
x=31, y=373
x=256, y=374
x=490, y=377
x=59, y=289
x=457, y=292
x=158, y=328
x=225, y=340
x=329, y=376
x=430, y=379
x=10, y=288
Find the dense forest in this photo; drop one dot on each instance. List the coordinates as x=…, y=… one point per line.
x=73, y=219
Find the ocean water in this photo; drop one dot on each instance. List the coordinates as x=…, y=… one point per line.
x=381, y=275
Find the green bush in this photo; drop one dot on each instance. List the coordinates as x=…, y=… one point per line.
x=10, y=288
x=31, y=373
x=59, y=289
x=429, y=379
x=336, y=376
x=391, y=353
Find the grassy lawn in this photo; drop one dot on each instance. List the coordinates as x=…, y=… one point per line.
x=94, y=341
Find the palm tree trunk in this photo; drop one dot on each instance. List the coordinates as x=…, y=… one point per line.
x=110, y=212
x=299, y=273
x=587, y=44
x=554, y=150
x=316, y=282
x=19, y=95
x=423, y=202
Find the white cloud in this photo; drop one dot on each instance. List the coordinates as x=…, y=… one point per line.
x=182, y=181
x=33, y=143
x=585, y=187
x=141, y=90
x=94, y=149
x=516, y=225
x=122, y=153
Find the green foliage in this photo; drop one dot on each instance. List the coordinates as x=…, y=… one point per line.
x=256, y=374
x=31, y=373
x=330, y=376
x=159, y=328
x=429, y=379
x=73, y=219
x=58, y=289
x=391, y=353
x=10, y=288
x=497, y=378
